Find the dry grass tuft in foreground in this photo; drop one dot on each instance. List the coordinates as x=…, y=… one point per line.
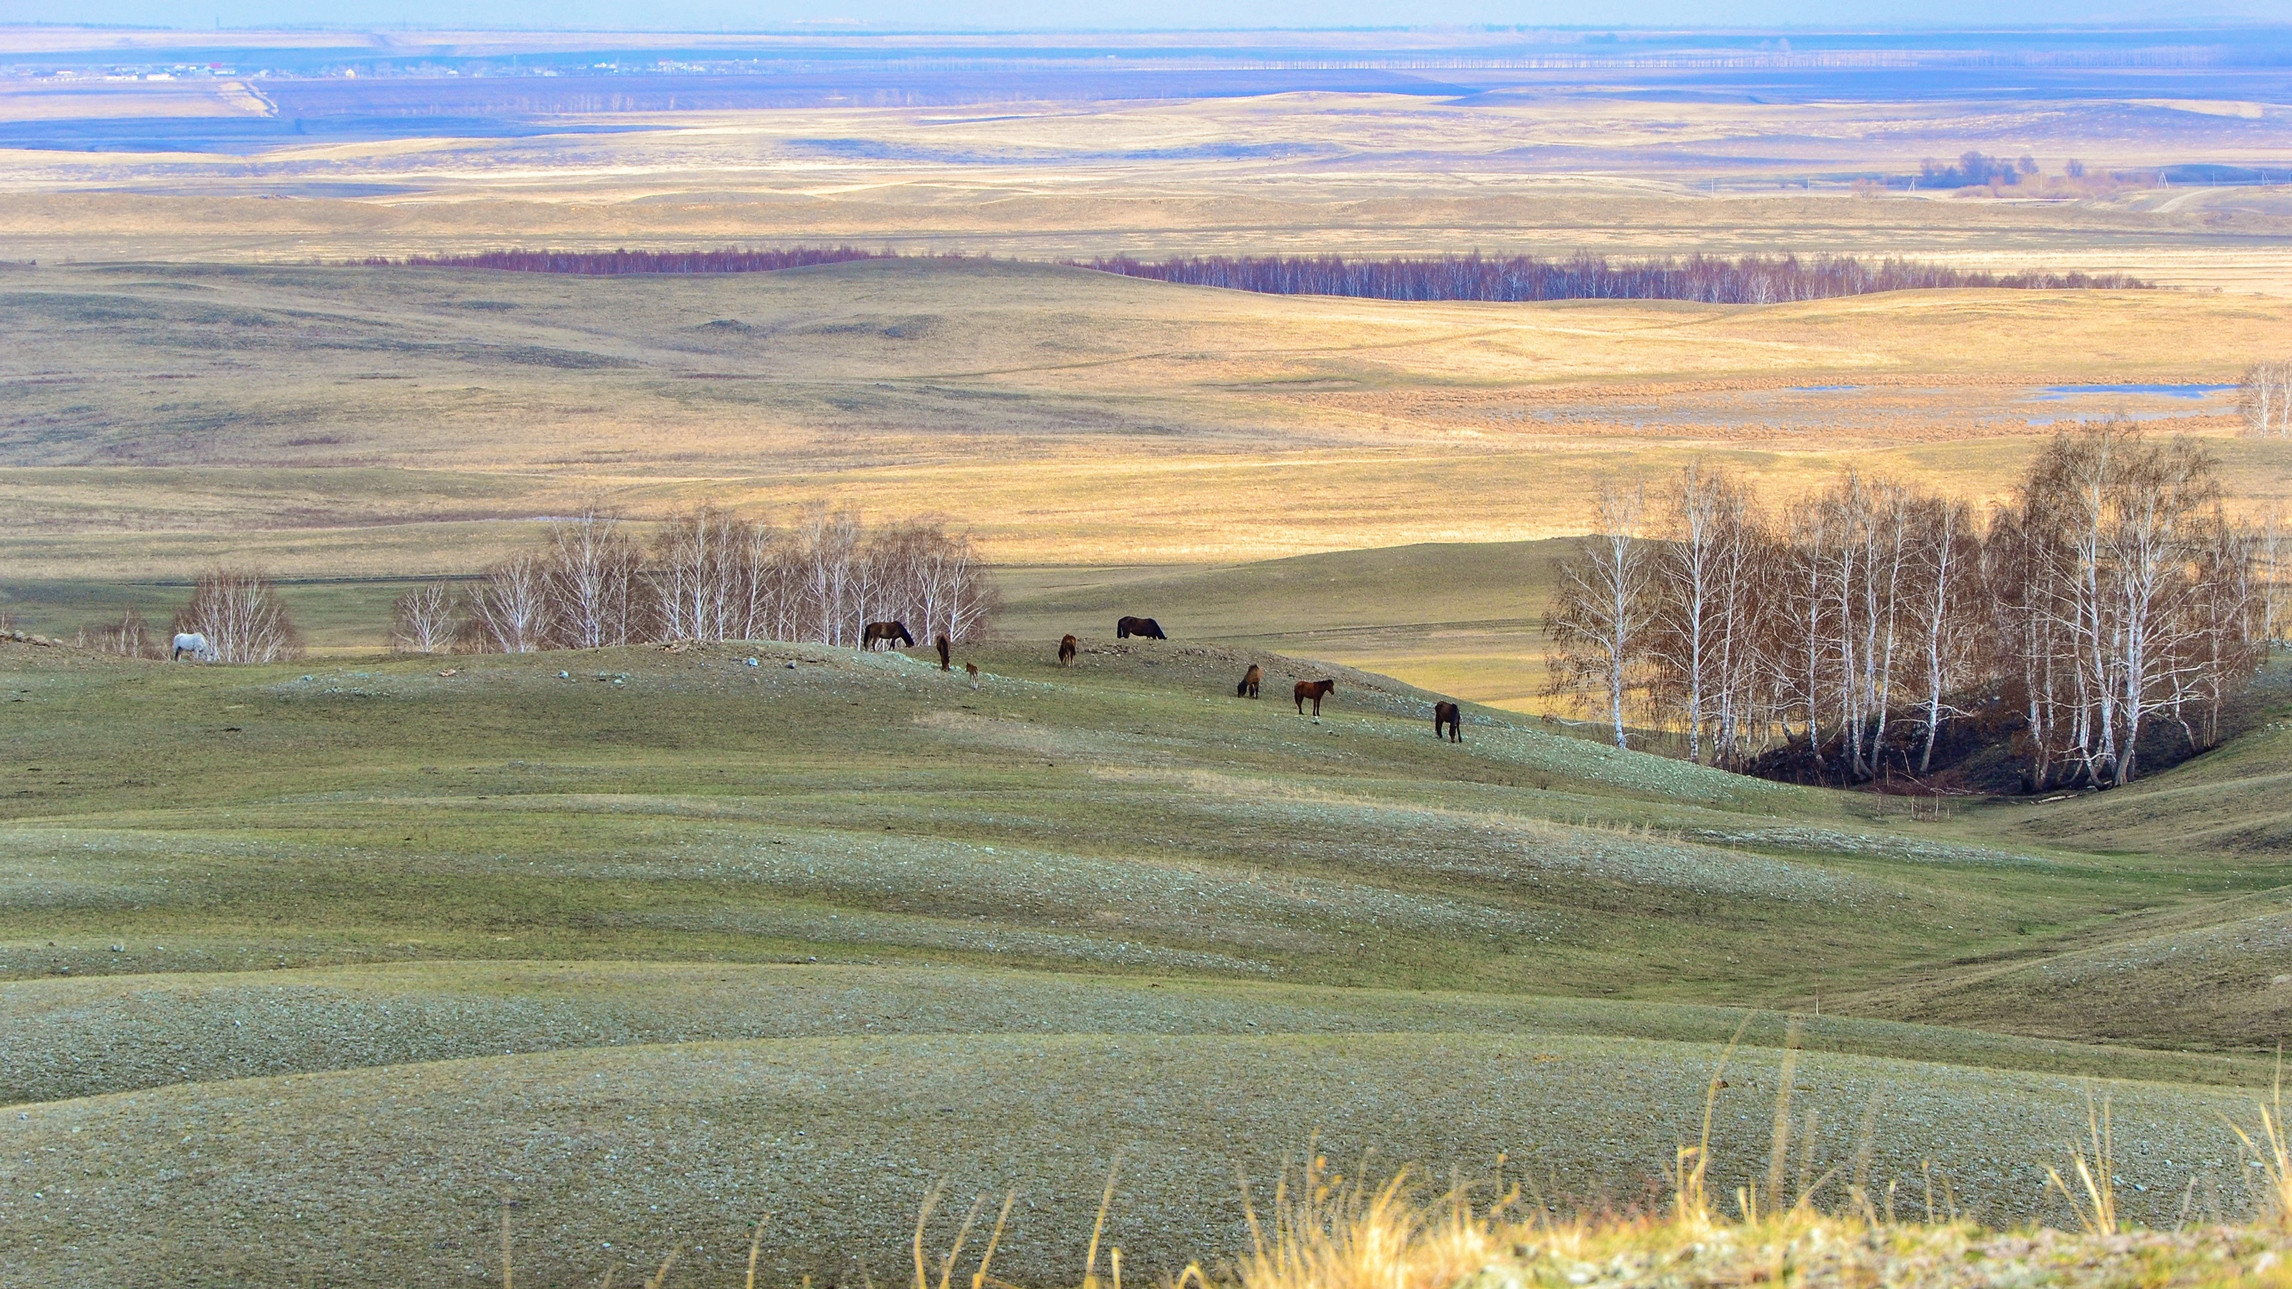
x=1331, y=1234
x=1327, y=1230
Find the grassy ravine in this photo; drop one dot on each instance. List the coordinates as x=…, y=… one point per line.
x=311, y=970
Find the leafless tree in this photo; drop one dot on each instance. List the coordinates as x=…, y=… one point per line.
x=827, y=546
x=694, y=576
x=2268, y=554
x=425, y=620
x=241, y=615
x=509, y=606
x=1599, y=619
x=2266, y=400
x=1696, y=598
x=1948, y=609
x=129, y=637
x=590, y=578
x=917, y=572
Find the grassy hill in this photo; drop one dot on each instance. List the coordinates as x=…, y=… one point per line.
x=648, y=942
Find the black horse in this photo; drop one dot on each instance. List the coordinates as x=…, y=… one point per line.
x=1249, y=682
x=1451, y=716
x=1147, y=627
x=884, y=633
x=943, y=659
x=1066, y=650
x=1315, y=690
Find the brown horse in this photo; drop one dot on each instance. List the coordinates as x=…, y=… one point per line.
x=1248, y=686
x=1066, y=650
x=943, y=652
x=1315, y=690
x=1125, y=628
x=884, y=633
x=972, y=669
x=1452, y=716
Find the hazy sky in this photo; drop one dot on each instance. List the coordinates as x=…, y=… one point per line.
x=750, y=15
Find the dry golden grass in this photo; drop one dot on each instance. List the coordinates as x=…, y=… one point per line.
x=1068, y=417
x=336, y=423
x=1325, y=1228
x=1551, y=174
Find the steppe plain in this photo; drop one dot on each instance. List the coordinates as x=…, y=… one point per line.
x=321, y=968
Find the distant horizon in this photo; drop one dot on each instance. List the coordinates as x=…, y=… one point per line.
x=835, y=26
x=965, y=17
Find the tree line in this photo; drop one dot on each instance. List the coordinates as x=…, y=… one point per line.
x=2110, y=600
x=707, y=576
x=594, y=581
x=618, y=263
x=1752, y=279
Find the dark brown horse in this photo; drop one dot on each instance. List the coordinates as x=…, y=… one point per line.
x=1249, y=682
x=1147, y=627
x=943, y=659
x=1451, y=716
x=1066, y=650
x=1315, y=690
x=884, y=633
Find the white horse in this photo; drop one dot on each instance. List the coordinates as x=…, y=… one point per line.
x=195, y=644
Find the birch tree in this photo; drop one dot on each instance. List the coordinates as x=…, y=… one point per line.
x=1599, y=618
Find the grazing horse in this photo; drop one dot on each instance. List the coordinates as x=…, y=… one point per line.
x=193, y=643
x=1315, y=690
x=1146, y=627
x=884, y=633
x=943, y=660
x=1249, y=682
x=1066, y=650
x=1452, y=716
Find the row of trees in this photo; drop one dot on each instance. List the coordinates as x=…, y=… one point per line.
x=707, y=576
x=2111, y=594
x=619, y=263
x=1752, y=279
x=1973, y=169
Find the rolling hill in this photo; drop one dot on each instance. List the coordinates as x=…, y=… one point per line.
x=645, y=943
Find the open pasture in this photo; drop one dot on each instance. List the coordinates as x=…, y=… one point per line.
x=670, y=940
x=316, y=970
x=352, y=429
x=351, y=422
x=1611, y=160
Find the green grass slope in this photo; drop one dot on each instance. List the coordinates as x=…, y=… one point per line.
x=314, y=966
x=612, y=1158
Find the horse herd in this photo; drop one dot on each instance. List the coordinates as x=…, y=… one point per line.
x=1448, y=718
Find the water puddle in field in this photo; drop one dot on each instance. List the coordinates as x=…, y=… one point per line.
x=2040, y=422
x=2055, y=393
